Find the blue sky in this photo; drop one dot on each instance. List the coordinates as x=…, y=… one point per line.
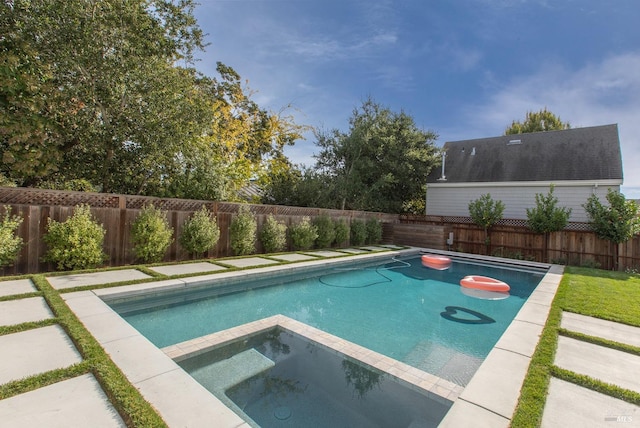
x=462, y=68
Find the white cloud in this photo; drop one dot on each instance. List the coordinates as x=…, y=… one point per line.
x=597, y=94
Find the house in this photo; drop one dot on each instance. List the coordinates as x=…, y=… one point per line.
x=579, y=162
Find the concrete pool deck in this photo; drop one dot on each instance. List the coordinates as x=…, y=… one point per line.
x=488, y=400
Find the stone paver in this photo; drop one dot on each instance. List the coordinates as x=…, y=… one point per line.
x=326, y=253
x=16, y=286
x=293, y=257
x=95, y=278
x=374, y=248
x=353, y=251
x=31, y=309
x=496, y=384
x=610, y=330
x=35, y=351
x=571, y=405
x=249, y=261
x=186, y=268
x=599, y=362
x=465, y=414
x=76, y=402
x=521, y=337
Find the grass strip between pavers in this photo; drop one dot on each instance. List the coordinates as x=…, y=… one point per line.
x=127, y=400
x=600, y=341
x=596, y=385
x=9, y=329
x=536, y=384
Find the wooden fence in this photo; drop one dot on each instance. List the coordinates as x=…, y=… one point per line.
x=576, y=245
x=117, y=212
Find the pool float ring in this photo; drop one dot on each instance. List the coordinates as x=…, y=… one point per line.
x=484, y=283
x=484, y=294
x=436, y=262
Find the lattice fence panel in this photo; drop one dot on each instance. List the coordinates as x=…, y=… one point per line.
x=26, y=196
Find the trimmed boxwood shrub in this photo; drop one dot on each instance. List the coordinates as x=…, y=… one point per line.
x=75, y=243
x=151, y=234
x=200, y=232
x=326, y=231
x=273, y=235
x=374, y=231
x=358, y=232
x=243, y=232
x=342, y=233
x=10, y=244
x=303, y=234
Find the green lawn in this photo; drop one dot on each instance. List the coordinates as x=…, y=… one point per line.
x=608, y=295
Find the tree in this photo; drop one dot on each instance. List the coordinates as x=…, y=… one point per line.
x=105, y=91
x=542, y=120
x=241, y=141
x=298, y=186
x=546, y=218
x=100, y=85
x=617, y=222
x=485, y=212
x=380, y=164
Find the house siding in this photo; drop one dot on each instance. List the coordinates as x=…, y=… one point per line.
x=446, y=200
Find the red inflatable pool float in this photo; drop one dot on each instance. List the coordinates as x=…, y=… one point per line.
x=484, y=283
x=434, y=261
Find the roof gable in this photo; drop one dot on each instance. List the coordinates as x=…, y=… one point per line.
x=591, y=153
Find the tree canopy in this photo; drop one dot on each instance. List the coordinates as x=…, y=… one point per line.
x=380, y=164
x=542, y=120
x=105, y=91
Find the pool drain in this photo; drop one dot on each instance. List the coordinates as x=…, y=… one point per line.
x=282, y=413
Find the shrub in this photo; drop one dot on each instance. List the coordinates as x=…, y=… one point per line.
x=358, y=232
x=618, y=222
x=77, y=242
x=243, y=232
x=485, y=212
x=303, y=234
x=10, y=244
x=151, y=234
x=342, y=232
x=546, y=217
x=374, y=231
x=199, y=232
x=273, y=235
x=326, y=231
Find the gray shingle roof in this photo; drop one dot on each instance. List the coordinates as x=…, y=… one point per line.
x=591, y=153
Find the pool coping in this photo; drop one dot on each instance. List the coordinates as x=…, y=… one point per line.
x=491, y=397
x=157, y=376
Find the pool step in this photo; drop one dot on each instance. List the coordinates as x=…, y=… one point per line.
x=224, y=374
x=443, y=362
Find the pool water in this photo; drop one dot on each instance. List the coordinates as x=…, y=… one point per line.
x=285, y=380
x=398, y=308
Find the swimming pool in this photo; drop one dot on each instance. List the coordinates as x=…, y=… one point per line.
x=397, y=307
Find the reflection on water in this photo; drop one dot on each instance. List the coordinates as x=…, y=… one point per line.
x=308, y=385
